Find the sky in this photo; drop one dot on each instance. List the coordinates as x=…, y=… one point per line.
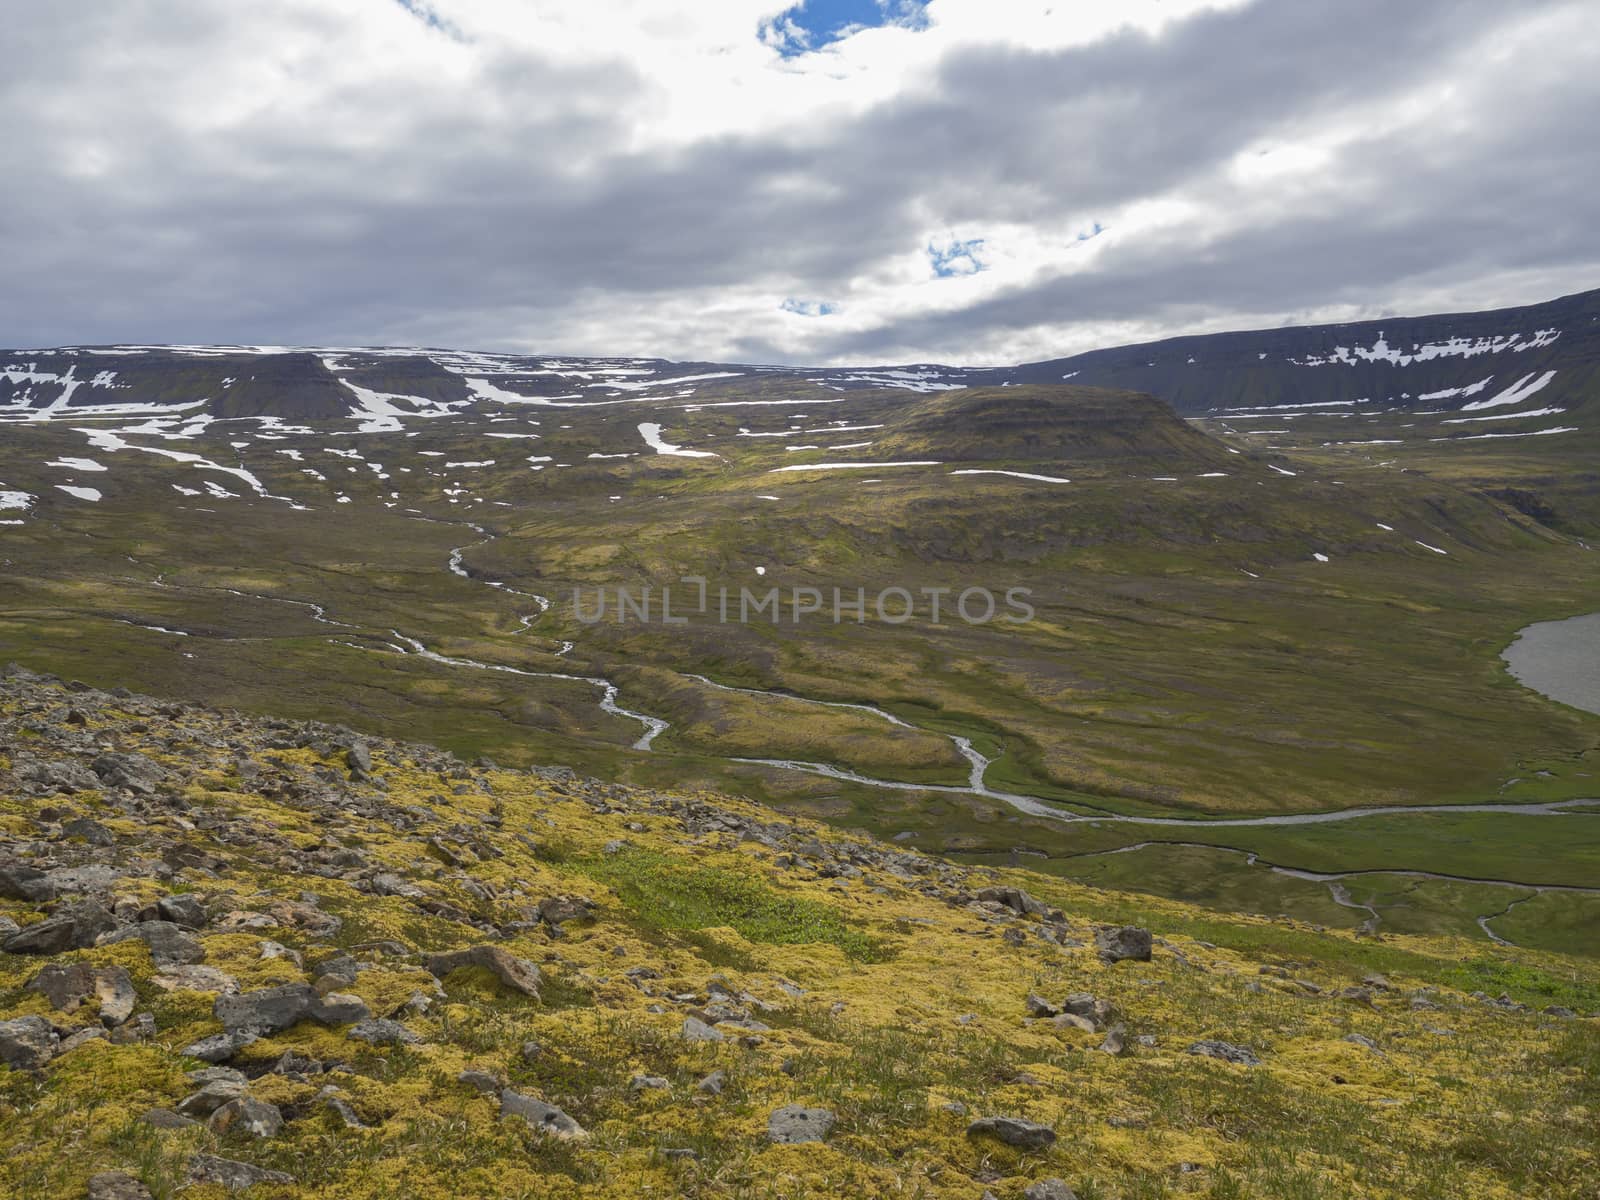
x=975, y=182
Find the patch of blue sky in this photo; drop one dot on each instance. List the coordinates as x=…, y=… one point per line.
x=809, y=308
x=816, y=24
x=956, y=257
x=425, y=13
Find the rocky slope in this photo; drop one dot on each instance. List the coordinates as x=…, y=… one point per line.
x=269, y=957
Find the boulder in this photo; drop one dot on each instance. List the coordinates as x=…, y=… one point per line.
x=518, y=974
x=1226, y=1051
x=246, y=1114
x=1014, y=1131
x=170, y=944
x=116, y=1185
x=18, y=881
x=70, y=927
x=541, y=1117
x=27, y=1043
x=1120, y=943
x=232, y=1175
x=270, y=1010
x=794, y=1124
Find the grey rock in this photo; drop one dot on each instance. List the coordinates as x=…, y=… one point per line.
x=1361, y=1039
x=1226, y=1051
x=271, y=1010
x=481, y=1081
x=170, y=944
x=1123, y=943
x=1017, y=900
x=1049, y=1189
x=648, y=1083
x=541, y=1117
x=338, y=1008
x=134, y=772
x=1038, y=1006
x=165, y=1118
x=382, y=1032
x=183, y=909
x=235, y=1176
x=212, y=1096
x=27, y=1043
x=559, y=909
x=794, y=1124
x=91, y=831
x=195, y=979
x=221, y=1047
x=116, y=1185
x=696, y=1030
x=246, y=1114
x=713, y=1083
x=340, y=1107
x=518, y=974
x=80, y=1037
x=1014, y=1131
x=19, y=881
x=113, y=987
x=1116, y=1040
x=64, y=985
x=389, y=884
x=71, y=927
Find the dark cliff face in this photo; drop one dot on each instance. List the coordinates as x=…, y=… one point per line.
x=1400, y=360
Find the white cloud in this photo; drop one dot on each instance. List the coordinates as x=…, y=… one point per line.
x=651, y=177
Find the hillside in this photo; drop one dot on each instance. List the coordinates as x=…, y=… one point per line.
x=1408, y=362
x=280, y=958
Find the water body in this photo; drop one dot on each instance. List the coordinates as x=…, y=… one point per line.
x=1560, y=659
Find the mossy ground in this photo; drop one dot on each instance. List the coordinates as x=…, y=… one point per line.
x=889, y=999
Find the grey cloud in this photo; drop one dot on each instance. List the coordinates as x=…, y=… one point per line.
x=406, y=213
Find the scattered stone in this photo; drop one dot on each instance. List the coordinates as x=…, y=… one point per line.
x=1038, y=1006
x=270, y=1010
x=481, y=1081
x=170, y=944
x=212, y=1096
x=27, y=1043
x=71, y=927
x=21, y=882
x=1014, y=898
x=116, y=1185
x=1226, y=1051
x=1014, y=1131
x=340, y=1107
x=246, y=1114
x=713, y=1083
x=194, y=978
x=541, y=1117
x=1361, y=1039
x=1123, y=943
x=184, y=909
x=696, y=1030
x=235, y=1176
x=382, y=1032
x=1116, y=1040
x=1049, y=1189
x=794, y=1124
x=165, y=1118
x=220, y=1047
x=648, y=1083
x=518, y=974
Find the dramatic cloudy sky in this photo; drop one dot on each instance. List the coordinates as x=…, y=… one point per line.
x=976, y=181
